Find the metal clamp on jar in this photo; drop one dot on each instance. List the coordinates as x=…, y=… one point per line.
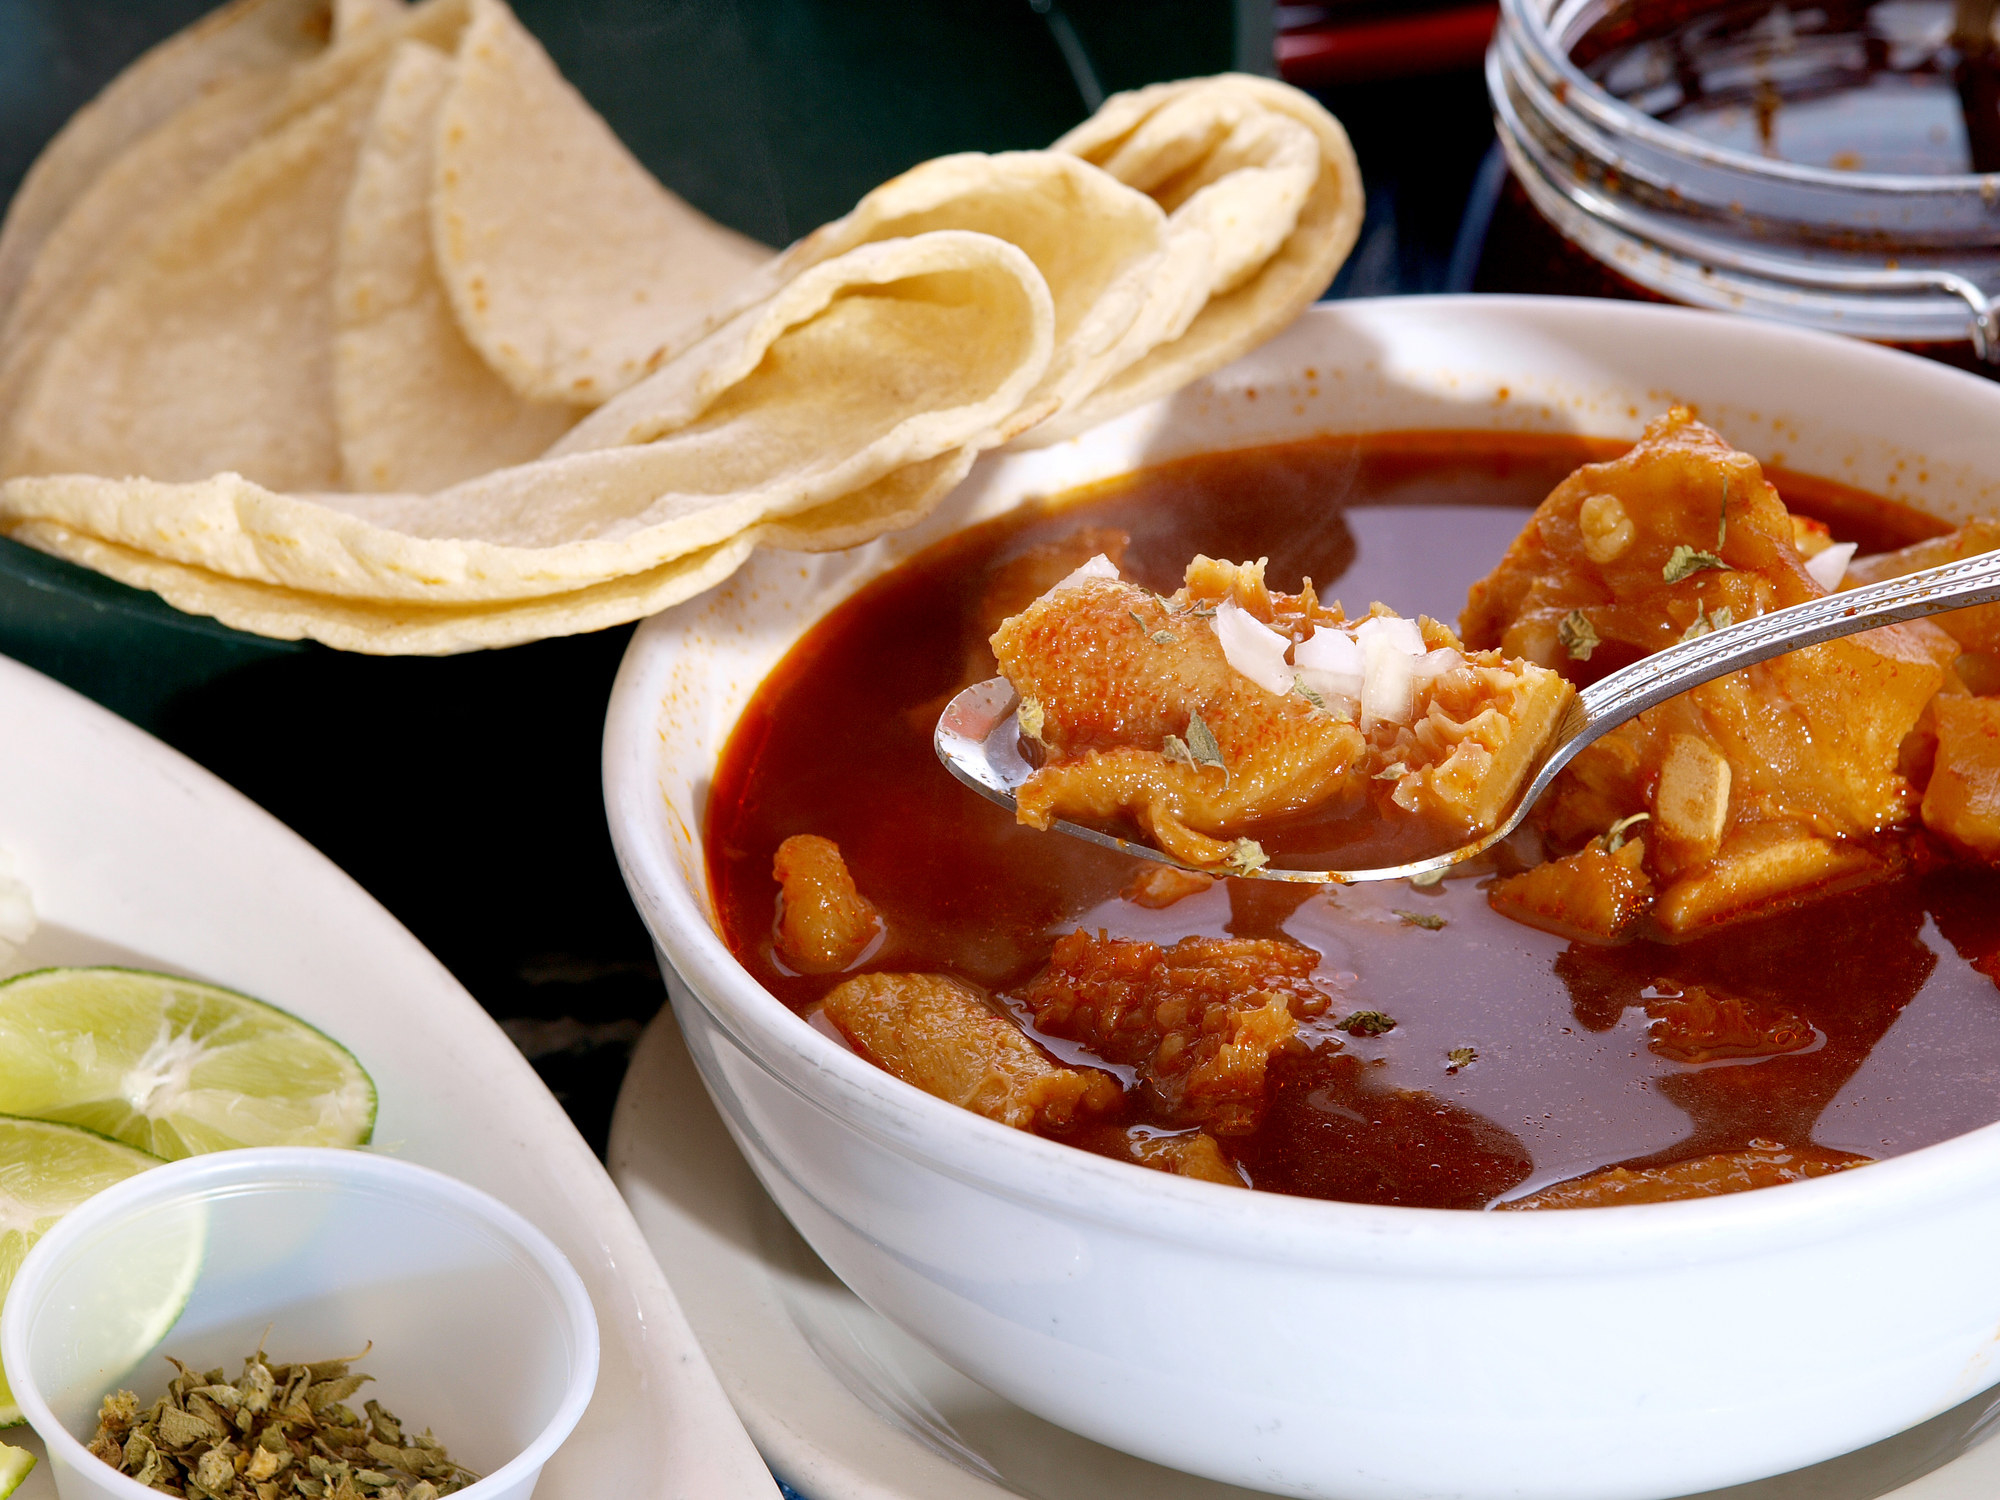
x=1808, y=166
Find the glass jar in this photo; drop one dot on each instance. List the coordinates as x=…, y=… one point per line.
x=1590, y=98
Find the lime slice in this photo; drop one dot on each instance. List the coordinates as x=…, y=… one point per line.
x=45, y=1171
x=173, y=1066
x=14, y=1466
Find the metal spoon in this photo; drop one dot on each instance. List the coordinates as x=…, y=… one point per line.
x=979, y=740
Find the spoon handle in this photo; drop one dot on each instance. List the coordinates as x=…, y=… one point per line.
x=1666, y=674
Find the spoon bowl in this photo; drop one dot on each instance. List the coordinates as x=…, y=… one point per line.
x=979, y=736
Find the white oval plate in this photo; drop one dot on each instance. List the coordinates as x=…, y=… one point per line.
x=846, y=1406
x=135, y=855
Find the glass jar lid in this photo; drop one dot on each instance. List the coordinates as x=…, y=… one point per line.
x=1662, y=154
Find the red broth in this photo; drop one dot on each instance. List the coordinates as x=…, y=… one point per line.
x=1899, y=983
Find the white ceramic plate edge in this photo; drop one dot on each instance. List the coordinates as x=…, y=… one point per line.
x=134, y=853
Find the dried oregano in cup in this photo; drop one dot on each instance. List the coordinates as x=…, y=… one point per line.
x=276, y=1432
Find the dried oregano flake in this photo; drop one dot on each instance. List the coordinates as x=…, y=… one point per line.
x=1366, y=1023
x=1203, y=745
x=1245, y=857
x=1578, y=636
x=1719, y=618
x=1029, y=716
x=277, y=1432
x=1421, y=919
x=1199, y=749
x=1685, y=561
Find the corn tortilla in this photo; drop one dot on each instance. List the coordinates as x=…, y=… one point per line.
x=248, y=36
x=1223, y=156
x=194, y=357
x=570, y=268
x=406, y=629
x=117, y=215
x=416, y=358
x=352, y=17
x=417, y=408
x=1098, y=244
x=886, y=357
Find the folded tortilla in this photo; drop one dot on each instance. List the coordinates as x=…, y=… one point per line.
x=416, y=407
x=1264, y=201
x=242, y=38
x=402, y=628
x=569, y=266
x=886, y=357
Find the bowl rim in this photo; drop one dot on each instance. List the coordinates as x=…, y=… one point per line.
x=1272, y=1227
x=287, y=1166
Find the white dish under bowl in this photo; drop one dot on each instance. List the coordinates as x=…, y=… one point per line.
x=1328, y=1349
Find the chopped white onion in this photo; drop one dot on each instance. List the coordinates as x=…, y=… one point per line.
x=1388, y=686
x=1099, y=566
x=1434, y=664
x=1253, y=648
x=1393, y=629
x=17, y=911
x=1330, y=664
x=1830, y=566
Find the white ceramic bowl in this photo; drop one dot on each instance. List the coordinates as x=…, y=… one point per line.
x=480, y=1330
x=1330, y=1349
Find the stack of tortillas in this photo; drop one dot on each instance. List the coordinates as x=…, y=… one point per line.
x=358, y=324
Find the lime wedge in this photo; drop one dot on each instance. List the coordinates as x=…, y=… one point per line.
x=45, y=1171
x=14, y=1466
x=173, y=1066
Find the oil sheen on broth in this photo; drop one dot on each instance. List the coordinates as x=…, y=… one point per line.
x=1894, y=986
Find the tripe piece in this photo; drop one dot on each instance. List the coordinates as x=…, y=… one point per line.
x=1157, y=886
x=1199, y=1021
x=824, y=923
x=1760, y=786
x=1764, y=1165
x=1195, y=1155
x=1226, y=706
x=1962, y=802
x=941, y=1034
x=1976, y=629
x=1592, y=894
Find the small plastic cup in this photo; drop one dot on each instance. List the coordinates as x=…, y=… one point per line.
x=481, y=1331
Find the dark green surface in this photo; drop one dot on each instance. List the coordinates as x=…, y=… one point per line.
x=129, y=650
x=775, y=117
